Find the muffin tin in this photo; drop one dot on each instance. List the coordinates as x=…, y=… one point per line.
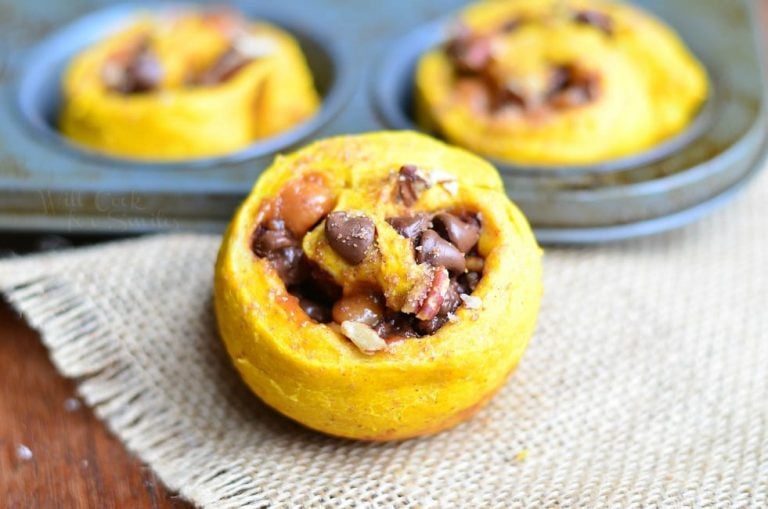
x=363, y=59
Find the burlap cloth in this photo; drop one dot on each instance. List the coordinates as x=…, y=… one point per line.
x=646, y=384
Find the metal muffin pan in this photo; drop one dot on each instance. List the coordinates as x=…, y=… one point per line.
x=48, y=183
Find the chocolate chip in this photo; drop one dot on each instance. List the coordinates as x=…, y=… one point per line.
x=597, y=19
x=469, y=280
x=226, y=66
x=471, y=218
x=452, y=301
x=572, y=86
x=321, y=286
x=410, y=184
x=410, y=227
x=429, y=327
x=503, y=92
x=316, y=291
x=142, y=72
x=559, y=79
x=315, y=310
x=289, y=263
x=510, y=95
x=461, y=234
x=573, y=96
x=569, y=86
x=283, y=251
x=350, y=236
x=470, y=52
x=146, y=72
x=396, y=324
x=267, y=241
x=438, y=252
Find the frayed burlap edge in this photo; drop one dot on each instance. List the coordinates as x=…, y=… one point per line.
x=82, y=349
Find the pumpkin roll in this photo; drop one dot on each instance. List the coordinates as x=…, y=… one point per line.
x=186, y=84
x=558, y=82
x=378, y=286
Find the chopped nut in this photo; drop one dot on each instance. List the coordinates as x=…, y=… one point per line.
x=364, y=337
x=254, y=46
x=438, y=176
x=446, y=180
x=451, y=186
x=432, y=303
x=226, y=66
x=411, y=182
x=419, y=292
x=471, y=301
x=245, y=49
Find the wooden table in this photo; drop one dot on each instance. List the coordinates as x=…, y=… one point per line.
x=53, y=451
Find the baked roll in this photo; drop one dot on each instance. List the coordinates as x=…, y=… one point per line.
x=186, y=85
x=558, y=82
x=378, y=286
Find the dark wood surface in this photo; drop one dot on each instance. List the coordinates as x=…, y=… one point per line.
x=53, y=452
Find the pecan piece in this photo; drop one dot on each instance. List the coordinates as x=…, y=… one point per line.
x=410, y=184
x=432, y=303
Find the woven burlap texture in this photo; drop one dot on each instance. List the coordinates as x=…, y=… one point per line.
x=646, y=384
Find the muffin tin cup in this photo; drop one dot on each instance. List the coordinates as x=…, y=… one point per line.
x=50, y=183
x=38, y=93
x=393, y=91
x=661, y=188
